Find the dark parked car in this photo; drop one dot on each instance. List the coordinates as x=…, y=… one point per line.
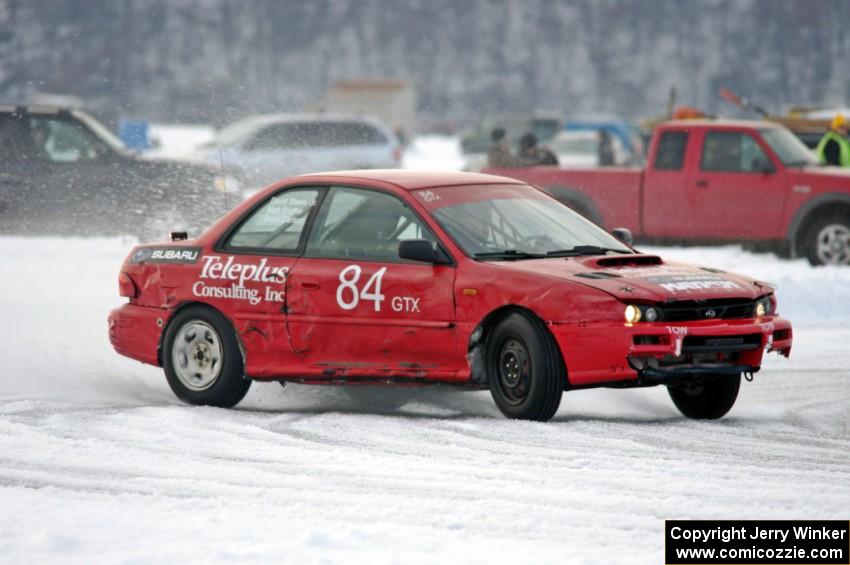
x=62, y=172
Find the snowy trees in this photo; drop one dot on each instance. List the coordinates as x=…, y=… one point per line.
x=217, y=59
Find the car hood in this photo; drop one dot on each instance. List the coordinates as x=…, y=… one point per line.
x=644, y=278
x=826, y=172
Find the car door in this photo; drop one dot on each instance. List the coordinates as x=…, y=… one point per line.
x=738, y=191
x=17, y=203
x=355, y=308
x=247, y=275
x=78, y=182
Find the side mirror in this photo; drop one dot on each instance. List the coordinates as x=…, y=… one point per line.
x=623, y=235
x=762, y=166
x=418, y=250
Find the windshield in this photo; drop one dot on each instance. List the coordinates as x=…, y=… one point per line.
x=518, y=220
x=101, y=132
x=788, y=147
x=235, y=133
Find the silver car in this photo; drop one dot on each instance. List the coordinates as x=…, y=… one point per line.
x=270, y=147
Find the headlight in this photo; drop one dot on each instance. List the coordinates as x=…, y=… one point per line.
x=763, y=307
x=651, y=314
x=633, y=314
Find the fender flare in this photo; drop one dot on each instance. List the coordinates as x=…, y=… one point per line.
x=480, y=334
x=574, y=198
x=805, y=211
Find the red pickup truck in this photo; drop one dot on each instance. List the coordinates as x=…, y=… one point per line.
x=714, y=182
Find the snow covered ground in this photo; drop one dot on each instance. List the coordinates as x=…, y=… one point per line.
x=99, y=463
x=178, y=140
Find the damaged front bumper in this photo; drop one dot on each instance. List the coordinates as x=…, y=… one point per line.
x=655, y=353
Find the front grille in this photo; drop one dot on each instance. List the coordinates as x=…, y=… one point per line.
x=715, y=309
x=721, y=344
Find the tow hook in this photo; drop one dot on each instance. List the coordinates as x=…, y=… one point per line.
x=748, y=375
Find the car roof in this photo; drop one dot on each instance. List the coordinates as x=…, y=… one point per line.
x=283, y=118
x=237, y=131
x=408, y=179
x=34, y=109
x=719, y=124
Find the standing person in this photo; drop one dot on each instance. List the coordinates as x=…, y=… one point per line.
x=834, y=149
x=606, y=149
x=499, y=154
x=532, y=155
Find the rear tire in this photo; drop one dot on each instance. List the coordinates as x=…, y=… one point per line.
x=525, y=370
x=202, y=360
x=826, y=241
x=708, y=400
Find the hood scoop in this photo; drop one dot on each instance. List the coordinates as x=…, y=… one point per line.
x=628, y=261
x=599, y=275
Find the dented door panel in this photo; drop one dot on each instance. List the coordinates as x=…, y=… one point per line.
x=373, y=319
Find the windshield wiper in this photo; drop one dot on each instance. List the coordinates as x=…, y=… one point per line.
x=509, y=254
x=580, y=250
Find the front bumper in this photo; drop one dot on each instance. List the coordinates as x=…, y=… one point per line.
x=135, y=331
x=607, y=352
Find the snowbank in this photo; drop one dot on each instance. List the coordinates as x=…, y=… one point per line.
x=100, y=463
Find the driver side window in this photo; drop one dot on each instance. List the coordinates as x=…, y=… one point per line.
x=276, y=226
x=732, y=152
x=364, y=224
x=61, y=141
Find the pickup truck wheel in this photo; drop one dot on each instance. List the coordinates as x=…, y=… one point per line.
x=827, y=241
x=202, y=361
x=709, y=400
x=524, y=369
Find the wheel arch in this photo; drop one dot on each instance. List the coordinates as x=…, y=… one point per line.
x=578, y=201
x=822, y=204
x=478, y=339
x=197, y=304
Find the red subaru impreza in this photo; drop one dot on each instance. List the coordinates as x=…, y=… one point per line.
x=412, y=278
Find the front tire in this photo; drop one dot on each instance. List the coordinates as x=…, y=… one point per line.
x=202, y=360
x=525, y=370
x=709, y=399
x=827, y=240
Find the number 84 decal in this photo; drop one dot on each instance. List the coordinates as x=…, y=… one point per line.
x=348, y=295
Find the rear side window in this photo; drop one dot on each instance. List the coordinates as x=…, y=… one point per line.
x=276, y=226
x=353, y=133
x=671, y=151
x=302, y=135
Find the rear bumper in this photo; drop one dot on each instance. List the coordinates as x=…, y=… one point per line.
x=598, y=353
x=135, y=331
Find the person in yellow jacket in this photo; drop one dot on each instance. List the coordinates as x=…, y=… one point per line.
x=834, y=149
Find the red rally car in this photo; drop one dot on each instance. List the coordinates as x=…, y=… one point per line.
x=401, y=277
